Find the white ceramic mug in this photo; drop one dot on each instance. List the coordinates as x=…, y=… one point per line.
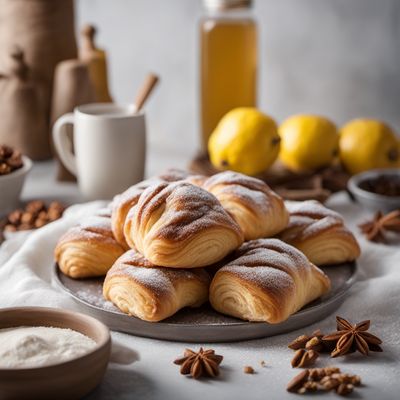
x=109, y=147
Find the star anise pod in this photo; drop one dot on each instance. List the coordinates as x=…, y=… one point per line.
x=350, y=338
x=375, y=229
x=201, y=363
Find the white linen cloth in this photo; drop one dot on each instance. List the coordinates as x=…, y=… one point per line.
x=26, y=261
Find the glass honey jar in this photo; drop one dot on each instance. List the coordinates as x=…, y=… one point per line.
x=228, y=61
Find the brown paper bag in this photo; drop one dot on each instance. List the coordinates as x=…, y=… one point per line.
x=23, y=124
x=44, y=30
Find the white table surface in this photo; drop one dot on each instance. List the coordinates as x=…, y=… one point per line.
x=153, y=376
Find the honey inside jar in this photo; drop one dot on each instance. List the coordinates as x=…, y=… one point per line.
x=228, y=66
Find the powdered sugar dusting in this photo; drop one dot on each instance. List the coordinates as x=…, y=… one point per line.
x=155, y=279
x=95, y=297
x=320, y=226
x=266, y=261
x=93, y=227
x=189, y=209
x=251, y=191
x=309, y=218
x=132, y=194
x=311, y=208
x=158, y=279
x=97, y=223
x=266, y=277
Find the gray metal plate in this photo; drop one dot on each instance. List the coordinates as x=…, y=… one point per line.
x=204, y=324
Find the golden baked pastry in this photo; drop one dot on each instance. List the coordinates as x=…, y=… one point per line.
x=123, y=202
x=258, y=210
x=180, y=225
x=268, y=280
x=88, y=249
x=319, y=233
x=121, y=205
x=152, y=293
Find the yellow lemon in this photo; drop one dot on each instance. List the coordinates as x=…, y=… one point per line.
x=367, y=144
x=308, y=142
x=245, y=140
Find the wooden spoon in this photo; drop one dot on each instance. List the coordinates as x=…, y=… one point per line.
x=145, y=91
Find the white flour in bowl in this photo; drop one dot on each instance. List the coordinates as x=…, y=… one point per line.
x=30, y=347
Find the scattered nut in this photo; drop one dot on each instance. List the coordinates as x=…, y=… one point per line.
x=40, y=222
x=248, y=369
x=311, y=342
x=323, y=379
x=298, y=356
x=315, y=344
x=299, y=342
x=304, y=358
x=344, y=389
x=331, y=370
x=317, y=373
x=15, y=217
x=356, y=381
x=311, y=386
x=27, y=218
x=329, y=383
x=35, y=215
x=302, y=390
x=297, y=382
x=35, y=206
x=317, y=333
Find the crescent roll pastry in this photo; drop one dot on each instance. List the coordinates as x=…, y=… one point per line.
x=180, y=225
x=319, y=233
x=88, y=249
x=268, y=280
x=152, y=293
x=121, y=205
x=258, y=210
x=123, y=202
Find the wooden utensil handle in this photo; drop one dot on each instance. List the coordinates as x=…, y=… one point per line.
x=147, y=88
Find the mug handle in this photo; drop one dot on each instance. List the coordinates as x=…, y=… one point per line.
x=63, y=144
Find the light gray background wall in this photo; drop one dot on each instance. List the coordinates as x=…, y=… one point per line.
x=339, y=58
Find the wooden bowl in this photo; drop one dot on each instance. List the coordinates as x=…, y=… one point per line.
x=68, y=380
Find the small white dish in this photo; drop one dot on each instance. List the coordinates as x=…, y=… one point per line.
x=371, y=200
x=11, y=186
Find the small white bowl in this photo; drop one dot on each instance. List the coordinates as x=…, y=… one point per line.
x=371, y=200
x=11, y=186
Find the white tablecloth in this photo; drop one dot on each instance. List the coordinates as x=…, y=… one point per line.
x=25, y=279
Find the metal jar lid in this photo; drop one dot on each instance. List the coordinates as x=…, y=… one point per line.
x=221, y=5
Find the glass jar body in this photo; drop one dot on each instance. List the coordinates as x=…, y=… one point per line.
x=228, y=66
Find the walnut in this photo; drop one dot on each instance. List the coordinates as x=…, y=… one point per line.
x=10, y=159
x=35, y=215
x=35, y=206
